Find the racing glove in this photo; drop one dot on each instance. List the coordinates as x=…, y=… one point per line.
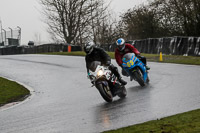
x=121, y=66
x=139, y=56
x=108, y=63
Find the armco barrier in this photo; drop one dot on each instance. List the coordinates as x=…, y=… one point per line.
x=169, y=45
x=45, y=48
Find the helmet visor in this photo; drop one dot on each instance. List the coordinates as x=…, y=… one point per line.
x=121, y=47
x=87, y=49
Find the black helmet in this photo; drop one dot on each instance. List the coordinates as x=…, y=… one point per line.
x=120, y=44
x=89, y=46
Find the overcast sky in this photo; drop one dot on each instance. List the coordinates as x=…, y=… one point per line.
x=26, y=14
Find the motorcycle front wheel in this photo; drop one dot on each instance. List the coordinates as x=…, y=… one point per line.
x=105, y=92
x=139, y=78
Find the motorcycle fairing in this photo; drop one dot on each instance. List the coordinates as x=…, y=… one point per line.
x=132, y=62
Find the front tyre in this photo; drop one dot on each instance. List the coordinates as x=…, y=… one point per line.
x=138, y=76
x=148, y=79
x=105, y=92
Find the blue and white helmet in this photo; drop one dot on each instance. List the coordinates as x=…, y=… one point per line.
x=120, y=44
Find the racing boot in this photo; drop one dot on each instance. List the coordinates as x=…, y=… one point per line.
x=122, y=81
x=116, y=73
x=148, y=68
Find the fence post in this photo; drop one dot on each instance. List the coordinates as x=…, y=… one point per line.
x=161, y=59
x=69, y=48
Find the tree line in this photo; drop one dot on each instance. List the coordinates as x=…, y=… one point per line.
x=76, y=21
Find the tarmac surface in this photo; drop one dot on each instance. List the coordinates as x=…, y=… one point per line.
x=63, y=100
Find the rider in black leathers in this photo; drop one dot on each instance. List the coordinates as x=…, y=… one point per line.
x=98, y=54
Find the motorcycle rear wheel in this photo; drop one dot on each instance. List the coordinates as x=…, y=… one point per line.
x=105, y=92
x=123, y=92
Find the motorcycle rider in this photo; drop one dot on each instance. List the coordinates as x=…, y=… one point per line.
x=122, y=49
x=98, y=54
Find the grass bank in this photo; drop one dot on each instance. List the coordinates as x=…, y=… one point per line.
x=188, y=122
x=191, y=60
x=11, y=91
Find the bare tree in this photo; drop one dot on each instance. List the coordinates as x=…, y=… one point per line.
x=72, y=20
x=105, y=29
x=37, y=38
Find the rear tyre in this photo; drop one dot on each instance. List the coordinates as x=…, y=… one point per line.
x=138, y=76
x=105, y=92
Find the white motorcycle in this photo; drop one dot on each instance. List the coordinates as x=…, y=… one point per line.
x=106, y=82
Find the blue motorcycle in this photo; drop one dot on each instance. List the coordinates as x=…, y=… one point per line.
x=135, y=68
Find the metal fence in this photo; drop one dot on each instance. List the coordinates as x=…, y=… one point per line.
x=10, y=37
x=45, y=48
x=168, y=45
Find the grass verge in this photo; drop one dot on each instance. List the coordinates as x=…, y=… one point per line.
x=188, y=122
x=191, y=60
x=11, y=91
x=178, y=59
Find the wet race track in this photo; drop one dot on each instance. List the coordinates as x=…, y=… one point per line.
x=63, y=100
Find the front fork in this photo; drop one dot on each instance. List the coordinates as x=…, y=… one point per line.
x=104, y=83
x=143, y=74
x=130, y=73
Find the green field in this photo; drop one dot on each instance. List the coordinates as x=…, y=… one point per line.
x=11, y=91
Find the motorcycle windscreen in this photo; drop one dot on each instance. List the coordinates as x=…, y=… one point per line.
x=127, y=57
x=94, y=65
